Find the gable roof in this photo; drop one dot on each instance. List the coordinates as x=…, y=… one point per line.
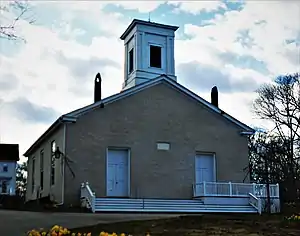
x=72, y=116
x=151, y=83
x=9, y=152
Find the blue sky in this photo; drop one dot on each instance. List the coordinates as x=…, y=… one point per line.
x=235, y=45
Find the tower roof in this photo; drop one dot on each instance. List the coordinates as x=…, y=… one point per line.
x=147, y=23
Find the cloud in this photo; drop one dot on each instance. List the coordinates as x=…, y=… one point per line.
x=195, y=7
x=141, y=6
x=30, y=112
x=253, y=31
x=236, y=49
x=203, y=77
x=8, y=82
x=244, y=62
x=82, y=68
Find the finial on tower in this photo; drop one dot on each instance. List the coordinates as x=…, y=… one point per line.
x=149, y=18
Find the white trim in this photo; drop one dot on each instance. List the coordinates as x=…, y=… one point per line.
x=128, y=168
x=247, y=133
x=68, y=118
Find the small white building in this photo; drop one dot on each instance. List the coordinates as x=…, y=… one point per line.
x=9, y=156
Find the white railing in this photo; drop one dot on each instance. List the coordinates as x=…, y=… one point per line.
x=87, y=196
x=255, y=202
x=219, y=189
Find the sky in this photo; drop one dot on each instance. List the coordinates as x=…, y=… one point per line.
x=237, y=46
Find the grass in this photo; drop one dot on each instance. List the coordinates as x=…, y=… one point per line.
x=217, y=224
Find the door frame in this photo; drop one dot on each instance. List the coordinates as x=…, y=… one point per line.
x=213, y=154
x=128, y=169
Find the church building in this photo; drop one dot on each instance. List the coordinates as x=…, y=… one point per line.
x=154, y=141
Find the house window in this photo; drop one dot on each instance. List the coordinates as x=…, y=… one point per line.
x=52, y=174
x=130, y=61
x=5, y=168
x=42, y=169
x=4, y=187
x=33, y=174
x=155, y=56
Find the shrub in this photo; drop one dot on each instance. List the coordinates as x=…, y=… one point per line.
x=61, y=231
x=294, y=217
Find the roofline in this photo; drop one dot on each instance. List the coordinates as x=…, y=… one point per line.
x=75, y=114
x=72, y=116
x=52, y=128
x=246, y=133
x=148, y=23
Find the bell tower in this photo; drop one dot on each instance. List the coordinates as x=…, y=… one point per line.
x=149, y=52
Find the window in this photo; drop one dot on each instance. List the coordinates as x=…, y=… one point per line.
x=155, y=56
x=52, y=174
x=5, y=168
x=4, y=187
x=33, y=174
x=42, y=169
x=130, y=61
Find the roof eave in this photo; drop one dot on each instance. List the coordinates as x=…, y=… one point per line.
x=247, y=133
x=52, y=128
x=135, y=21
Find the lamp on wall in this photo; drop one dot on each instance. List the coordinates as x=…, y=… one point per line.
x=58, y=154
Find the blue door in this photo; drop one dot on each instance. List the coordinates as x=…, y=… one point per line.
x=117, y=180
x=205, y=168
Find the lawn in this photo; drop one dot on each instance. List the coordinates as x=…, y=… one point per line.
x=234, y=224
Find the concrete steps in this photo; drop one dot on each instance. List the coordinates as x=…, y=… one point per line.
x=165, y=206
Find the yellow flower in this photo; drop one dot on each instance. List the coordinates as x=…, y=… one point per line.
x=55, y=228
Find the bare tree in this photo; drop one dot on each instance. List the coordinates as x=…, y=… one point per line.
x=11, y=13
x=280, y=104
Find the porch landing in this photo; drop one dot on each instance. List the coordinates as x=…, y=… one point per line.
x=207, y=197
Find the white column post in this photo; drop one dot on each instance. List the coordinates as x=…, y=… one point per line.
x=204, y=188
x=93, y=202
x=277, y=190
x=230, y=189
x=253, y=189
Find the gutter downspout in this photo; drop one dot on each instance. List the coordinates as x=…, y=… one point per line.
x=63, y=168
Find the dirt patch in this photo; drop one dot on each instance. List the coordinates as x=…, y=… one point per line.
x=237, y=225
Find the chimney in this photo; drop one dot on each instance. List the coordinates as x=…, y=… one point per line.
x=97, y=88
x=214, y=96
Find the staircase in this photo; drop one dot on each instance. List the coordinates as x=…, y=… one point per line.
x=165, y=206
x=90, y=201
